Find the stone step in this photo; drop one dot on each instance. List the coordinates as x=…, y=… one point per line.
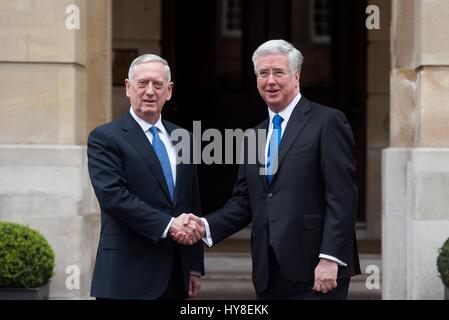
x=229, y=277
x=367, y=286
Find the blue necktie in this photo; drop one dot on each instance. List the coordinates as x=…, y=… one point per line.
x=273, y=148
x=161, y=152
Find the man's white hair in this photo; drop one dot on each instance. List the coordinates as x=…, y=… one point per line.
x=149, y=58
x=294, y=56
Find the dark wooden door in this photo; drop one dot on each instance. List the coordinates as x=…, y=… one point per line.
x=215, y=82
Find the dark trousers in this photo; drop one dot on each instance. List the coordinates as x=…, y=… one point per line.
x=281, y=288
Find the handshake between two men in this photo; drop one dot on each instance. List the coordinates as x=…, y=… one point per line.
x=187, y=229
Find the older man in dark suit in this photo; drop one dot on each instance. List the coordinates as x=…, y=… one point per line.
x=303, y=209
x=142, y=189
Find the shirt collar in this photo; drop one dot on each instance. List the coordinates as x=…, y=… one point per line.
x=287, y=112
x=145, y=125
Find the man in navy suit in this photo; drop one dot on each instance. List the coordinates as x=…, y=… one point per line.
x=303, y=208
x=142, y=190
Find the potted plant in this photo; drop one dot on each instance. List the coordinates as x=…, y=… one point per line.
x=26, y=263
x=443, y=266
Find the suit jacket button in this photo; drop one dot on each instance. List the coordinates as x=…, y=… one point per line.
x=269, y=195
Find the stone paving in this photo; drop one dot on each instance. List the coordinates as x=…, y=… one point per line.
x=229, y=277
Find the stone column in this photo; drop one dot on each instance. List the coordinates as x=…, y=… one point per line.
x=415, y=170
x=55, y=86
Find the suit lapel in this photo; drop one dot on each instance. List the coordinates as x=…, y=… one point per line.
x=296, y=123
x=133, y=133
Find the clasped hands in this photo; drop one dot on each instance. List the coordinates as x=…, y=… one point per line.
x=187, y=229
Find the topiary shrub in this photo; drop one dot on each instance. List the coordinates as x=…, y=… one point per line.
x=443, y=262
x=26, y=258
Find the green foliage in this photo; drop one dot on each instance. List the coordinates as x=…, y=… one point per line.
x=443, y=262
x=26, y=258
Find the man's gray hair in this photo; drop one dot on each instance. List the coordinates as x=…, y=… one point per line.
x=294, y=56
x=149, y=58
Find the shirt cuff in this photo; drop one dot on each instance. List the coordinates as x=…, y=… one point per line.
x=164, y=235
x=195, y=273
x=338, y=261
x=207, y=239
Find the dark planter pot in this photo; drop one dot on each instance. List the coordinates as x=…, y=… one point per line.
x=446, y=292
x=40, y=293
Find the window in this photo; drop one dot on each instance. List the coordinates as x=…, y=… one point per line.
x=231, y=26
x=320, y=21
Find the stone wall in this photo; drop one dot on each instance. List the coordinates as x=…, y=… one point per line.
x=415, y=172
x=53, y=90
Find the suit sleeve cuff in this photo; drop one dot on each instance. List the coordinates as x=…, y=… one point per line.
x=195, y=273
x=338, y=261
x=164, y=235
x=207, y=239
